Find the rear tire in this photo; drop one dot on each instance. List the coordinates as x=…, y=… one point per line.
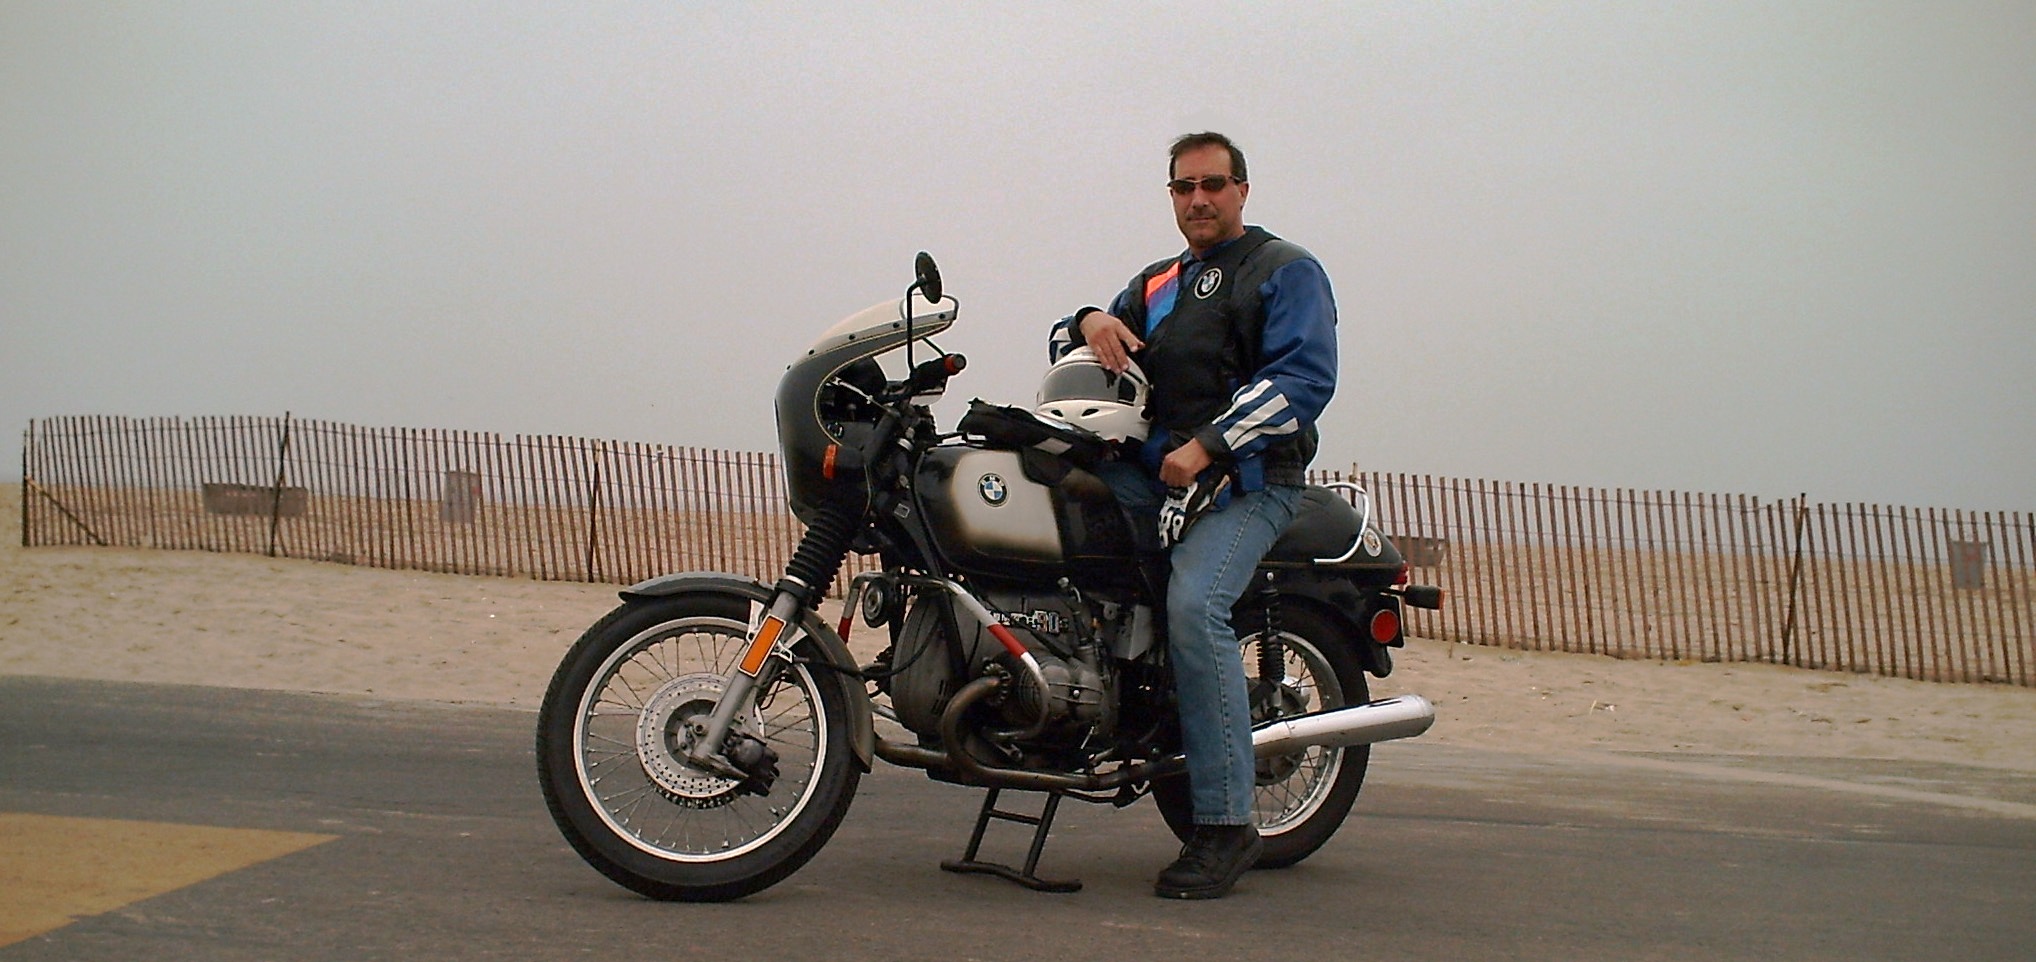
x=611, y=760
x=1303, y=797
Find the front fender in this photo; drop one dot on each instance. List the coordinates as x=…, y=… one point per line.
x=862, y=726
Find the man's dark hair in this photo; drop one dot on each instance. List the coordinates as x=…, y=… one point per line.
x=1207, y=138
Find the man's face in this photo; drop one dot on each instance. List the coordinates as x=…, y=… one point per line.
x=1208, y=218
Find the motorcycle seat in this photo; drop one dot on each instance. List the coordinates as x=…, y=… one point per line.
x=1324, y=526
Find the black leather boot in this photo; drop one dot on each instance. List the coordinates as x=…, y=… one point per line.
x=1210, y=862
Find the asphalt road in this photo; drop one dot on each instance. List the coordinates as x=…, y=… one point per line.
x=416, y=832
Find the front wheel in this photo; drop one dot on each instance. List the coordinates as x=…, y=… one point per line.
x=612, y=735
x=1303, y=797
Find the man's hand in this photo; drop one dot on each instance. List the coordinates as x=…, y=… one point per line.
x=1185, y=462
x=1111, y=339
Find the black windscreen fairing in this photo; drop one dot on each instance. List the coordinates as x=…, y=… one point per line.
x=820, y=399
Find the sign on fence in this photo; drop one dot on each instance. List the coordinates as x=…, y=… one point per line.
x=255, y=499
x=461, y=497
x=1968, y=565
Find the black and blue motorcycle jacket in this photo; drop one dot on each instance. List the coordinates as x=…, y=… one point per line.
x=1240, y=347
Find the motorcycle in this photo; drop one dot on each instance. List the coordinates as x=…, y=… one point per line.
x=703, y=740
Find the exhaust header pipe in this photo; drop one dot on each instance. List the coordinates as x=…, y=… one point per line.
x=1379, y=721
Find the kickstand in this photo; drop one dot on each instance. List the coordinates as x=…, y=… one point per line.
x=1043, y=821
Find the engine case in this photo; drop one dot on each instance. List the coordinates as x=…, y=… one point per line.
x=931, y=667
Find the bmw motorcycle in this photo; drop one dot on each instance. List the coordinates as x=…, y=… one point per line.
x=703, y=740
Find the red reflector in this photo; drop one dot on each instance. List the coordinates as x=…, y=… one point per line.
x=1401, y=577
x=827, y=461
x=1385, y=626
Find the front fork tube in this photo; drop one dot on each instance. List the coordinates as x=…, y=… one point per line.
x=806, y=578
x=756, y=669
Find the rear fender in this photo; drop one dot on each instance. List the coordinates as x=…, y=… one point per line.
x=862, y=728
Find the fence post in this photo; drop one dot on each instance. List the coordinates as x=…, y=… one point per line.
x=594, y=511
x=1795, y=578
x=276, y=490
x=27, y=438
x=28, y=484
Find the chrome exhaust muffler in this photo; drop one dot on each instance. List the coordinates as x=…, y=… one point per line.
x=1401, y=717
x=1379, y=721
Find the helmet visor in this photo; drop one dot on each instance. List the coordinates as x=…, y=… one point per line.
x=1086, y=382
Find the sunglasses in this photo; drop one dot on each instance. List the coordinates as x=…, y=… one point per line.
x=1213, y=183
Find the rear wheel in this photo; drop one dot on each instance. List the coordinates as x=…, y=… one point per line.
x=1302, y=797
x=612, y=737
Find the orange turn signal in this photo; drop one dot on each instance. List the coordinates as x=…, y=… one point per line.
x=760, y=646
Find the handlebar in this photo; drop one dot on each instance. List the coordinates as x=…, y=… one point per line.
x=931, y=375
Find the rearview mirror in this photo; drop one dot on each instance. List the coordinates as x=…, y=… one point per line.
x=929, y=276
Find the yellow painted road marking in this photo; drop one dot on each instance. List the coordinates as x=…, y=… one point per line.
x=55, y=870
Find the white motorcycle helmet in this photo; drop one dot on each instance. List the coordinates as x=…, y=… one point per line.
x=1079, y=390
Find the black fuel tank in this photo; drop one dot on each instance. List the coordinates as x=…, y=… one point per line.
x=987, y=517
x=994, y=517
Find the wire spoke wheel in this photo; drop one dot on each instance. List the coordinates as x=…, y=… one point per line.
x=1293, y=787
x=1302, y=797
x=633, y=739
x=621, y=718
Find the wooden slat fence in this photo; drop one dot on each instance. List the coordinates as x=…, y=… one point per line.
x=527, y=506
x=1920, y=593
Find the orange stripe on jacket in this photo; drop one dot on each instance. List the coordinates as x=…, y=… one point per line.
x=1159, y=280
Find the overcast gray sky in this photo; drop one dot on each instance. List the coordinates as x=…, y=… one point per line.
x=1750, y=248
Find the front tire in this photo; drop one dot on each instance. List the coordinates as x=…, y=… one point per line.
x=1303, y=797
x=611, y=753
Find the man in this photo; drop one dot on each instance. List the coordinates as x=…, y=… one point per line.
x=1238, y=337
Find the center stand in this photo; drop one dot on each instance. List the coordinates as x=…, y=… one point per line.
x=968, y=864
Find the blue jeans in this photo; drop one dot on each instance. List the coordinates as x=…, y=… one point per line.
x=1212, y=566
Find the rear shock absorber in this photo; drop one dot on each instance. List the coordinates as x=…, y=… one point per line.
x=1272, y=657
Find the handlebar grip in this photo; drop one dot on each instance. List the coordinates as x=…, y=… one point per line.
x=933, y=373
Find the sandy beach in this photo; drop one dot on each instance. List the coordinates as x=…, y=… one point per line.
x=253, y=622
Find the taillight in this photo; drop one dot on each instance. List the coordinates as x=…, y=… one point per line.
x=1385, y=626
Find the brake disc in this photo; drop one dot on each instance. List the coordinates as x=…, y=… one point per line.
x=664, y=733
